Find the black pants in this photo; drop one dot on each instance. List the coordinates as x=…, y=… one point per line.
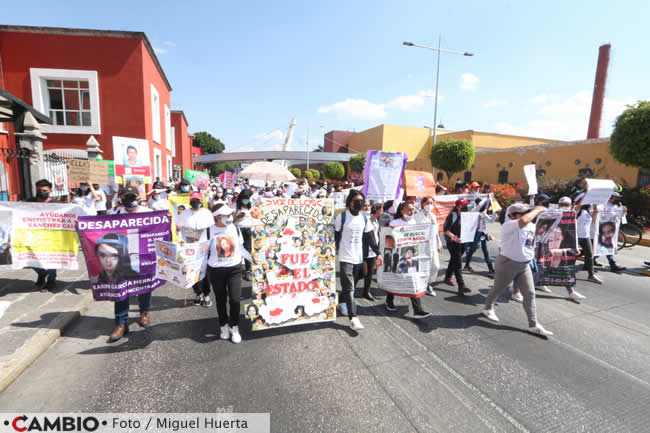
x=367, y=280
x=415, y=302
x=455, y=262
x=202, y=287
x=101, y=212
x=585, y=246
x=248, y=244
x=226, y=283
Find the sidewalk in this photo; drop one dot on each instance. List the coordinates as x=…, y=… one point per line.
x=30, y=321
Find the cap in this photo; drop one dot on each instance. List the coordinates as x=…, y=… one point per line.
x=542, y=197
x=185, y=182
x=518, y=208
x=223, y=210
x=461, y=202
x=615, y=194
x=196, y=195
x=130, y=190
x=565, y=200
x=475, y=185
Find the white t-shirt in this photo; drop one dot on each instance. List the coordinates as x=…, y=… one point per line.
x=375, y=229
x=194, y=225
x=158, y=204
x=584, y=224
x=121, y=210
x=229, y=253
x=518, y=244
x=350, y=246
x=400, y=222
x=247, y=220
x=100, y=205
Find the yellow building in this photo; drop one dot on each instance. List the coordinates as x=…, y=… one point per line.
x=499, y=157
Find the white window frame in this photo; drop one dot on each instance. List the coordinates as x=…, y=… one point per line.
x=4, y=130
x=157, y=168
x=170, y=169
x=155, y=114
x=41, y=99
x=174, y=142
x=168, y=128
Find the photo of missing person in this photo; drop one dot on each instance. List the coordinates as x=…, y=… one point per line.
x=5, y=239
x=112, y=254
x=408, y=263
x=225, y=246
x=607, y=235
x=131, y=157
x=559, y=245
x=388, y=259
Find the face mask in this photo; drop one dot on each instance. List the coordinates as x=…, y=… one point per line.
x=408, y=217
x=219, y=195
x=130, y=202
x=428, y=208
x=83, y=188
x=245, y=201
x=357, y=205
x=155, y=196
x=196, y=204
x=42, y=195
x=185, y=188
x=463, y=209
x=226, y=220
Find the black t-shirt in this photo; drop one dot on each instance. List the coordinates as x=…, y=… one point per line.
x=452, y=223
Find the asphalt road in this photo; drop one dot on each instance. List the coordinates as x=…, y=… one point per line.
x=453, y=372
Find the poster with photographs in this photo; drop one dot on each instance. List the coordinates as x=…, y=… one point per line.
x=181, y=265
x=382, y=174
x=294, y=277
x=556, y=246
x=407, y=257
x=608, y=224
x=5, y=237
x=120, y=252
x=131, y=157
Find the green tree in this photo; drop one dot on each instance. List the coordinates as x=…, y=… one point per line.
x=333, y=170
x=452, y=156
x=308, y=175
x=319, y=148
x=357, y=162
x=630, y=140
x=295, y=171
x=219, y=167
x=314, y=173
x=208, y=143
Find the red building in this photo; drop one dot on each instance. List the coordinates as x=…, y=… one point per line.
x=105, y=84
x=182, y=157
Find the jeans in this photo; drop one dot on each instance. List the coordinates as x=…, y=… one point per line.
x=481, y=238
x=367, y=279
x=246, y=234
x=202, y=287
x=122, y=308
x=415, y=302
x=455, y=262
x=49, y=273
x=226, y=283
x=508, y=271
x=585, y=246
x=350, y=274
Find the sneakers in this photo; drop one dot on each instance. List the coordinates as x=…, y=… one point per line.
x=355, y=324
x=490, y=315
x=369, y=296
x=421, y=314
x=343, y=309
x=430, y=291
x=198, y=300
x=463, y=290
x=517, y=297
x=576, y=297
x=206, y=302
x=595, y=279
x=390, y=307
x=598, y=265
x=618, y=269
x=468, y=268
x=491, y=272
x=40, y=281
x=449, y=281
x=539, y=330
x=544, y=289
x=225, y=332
x=235, y=337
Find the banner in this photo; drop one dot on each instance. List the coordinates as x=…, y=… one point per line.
x=182, y=265
x=39, y=235
x=468, y=226
x=294, y=277
x=443, y=204
x=120, y=252
x=199, y=179
x=599, y=191
x=228, y=179
x=531, y=177
x=137, y=181
x=382, y=174
x=177, y=204
x=407, y=259
x=56, y=171
x=419, y=183
x=131, y=157
x=556, y=246
x=86, y=171
x=607, y=225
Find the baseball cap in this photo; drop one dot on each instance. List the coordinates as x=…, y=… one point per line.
x=565, y=200
x=130, y=190
x=223, y=210
x=518, y=208
x=543, y=197
x=475, y=185
x=461, y=202
x=196, y=195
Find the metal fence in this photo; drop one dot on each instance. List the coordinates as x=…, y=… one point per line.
x=12, y=161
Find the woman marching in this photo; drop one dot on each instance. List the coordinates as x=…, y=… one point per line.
x=451, y=229
x=426, y=216
x=370, y=258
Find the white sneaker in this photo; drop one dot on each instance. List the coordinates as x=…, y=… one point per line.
x=355, y=324
x=430, y=291
x=576, y=297
x=343, y=309
x=539, y=330
x=225, y=332
x=517, y=297
x=544, y=289
x=595, y=279
x=236, y=338
x=490, y=315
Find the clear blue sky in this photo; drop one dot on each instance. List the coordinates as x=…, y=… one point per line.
x=242, y=70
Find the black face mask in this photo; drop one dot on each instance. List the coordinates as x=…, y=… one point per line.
x=196, y=204
x=130, y=201
x=357, y=205
x=463, y=209
x=42, y=195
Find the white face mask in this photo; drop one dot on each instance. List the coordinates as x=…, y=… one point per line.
x=408, y=217
x=428, y=208
x=84, y=188
x=226, y=220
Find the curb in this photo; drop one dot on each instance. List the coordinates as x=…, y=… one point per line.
x=40, y=342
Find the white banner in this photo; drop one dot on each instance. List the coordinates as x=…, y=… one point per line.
x=181, y=265
x=608, y=224
x=468, y=226
x=531, y=177
x=599, y=191
x=406, y=252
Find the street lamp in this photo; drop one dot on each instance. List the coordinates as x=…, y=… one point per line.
x=439, y=50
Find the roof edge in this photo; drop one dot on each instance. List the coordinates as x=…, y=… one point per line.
x=181, y=112
x=542, y=146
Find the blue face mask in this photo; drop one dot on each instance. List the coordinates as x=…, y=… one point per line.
x=245, y=201
x=185, y=188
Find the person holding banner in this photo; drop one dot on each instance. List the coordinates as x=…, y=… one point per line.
x=129, y=202
x=607, y=232
x=451, y=229
x=426, y=216
x=405, y=215
x=481, y=237
x=584, y=220
x=512, y=264
x=244, y=221
x=373, y=212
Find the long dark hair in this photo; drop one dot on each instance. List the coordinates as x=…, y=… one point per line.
x=351, y=195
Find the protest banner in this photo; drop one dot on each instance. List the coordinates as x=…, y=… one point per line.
x=496, y=207
x=235, y=172
x=443, y=204
x=531, y=177
x=86, y=171
x=182, y=265
x=199, y=179
x=407, y=258
x=228, y=179
x=556, y=246
x=294, y=280
x=419, y=183
x=177, y=204
x=56, y=171
x=40, y=235
x=382, y=174
x=608, y=224
x=355, y=177
x=598, y=191
x=137, y=181
x=120, y=252
x=131, y=157
x=468, y=226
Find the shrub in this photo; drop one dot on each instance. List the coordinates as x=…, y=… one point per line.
x=452, y=156
x=637, y=201
x=334, y=170
x=357, y=162
x=505, y=194
x=308, y=175
x=630, y=140
x=295, y=171
x=314, y=173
